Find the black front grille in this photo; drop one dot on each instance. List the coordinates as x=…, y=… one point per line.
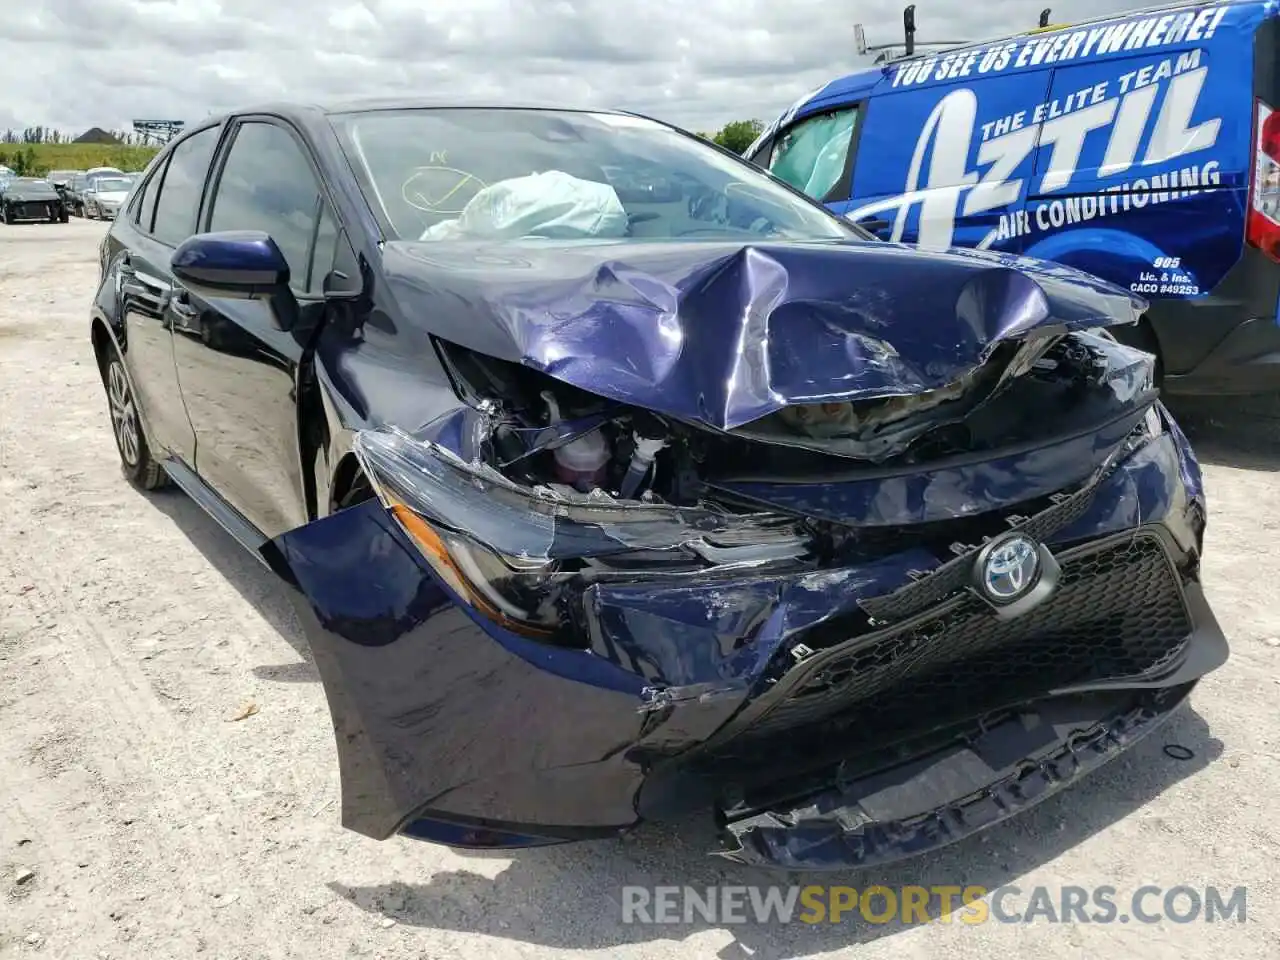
x=1118, y=612
x=953, y=576
x=35, y=210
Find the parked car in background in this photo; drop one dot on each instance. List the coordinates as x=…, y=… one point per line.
x=1143, y=148
x=73, y=194
x=103, y=196
x=643, y=484
x=30, y=198
x=61, y=178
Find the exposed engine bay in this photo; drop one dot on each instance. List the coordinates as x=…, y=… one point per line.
x=572, y=444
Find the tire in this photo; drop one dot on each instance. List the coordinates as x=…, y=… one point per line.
x=62, y=216
x=136, y=462
x=8, y=215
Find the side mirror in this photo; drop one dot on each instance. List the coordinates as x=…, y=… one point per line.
x=238, y=265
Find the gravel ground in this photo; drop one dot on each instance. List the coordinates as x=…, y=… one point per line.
x=138, y=819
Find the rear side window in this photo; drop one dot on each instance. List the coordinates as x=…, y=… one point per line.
x=812, y=155
x=144, y=204
x=178, y=204
x=267, y=184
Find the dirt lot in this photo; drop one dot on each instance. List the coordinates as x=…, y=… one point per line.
x=138, y=820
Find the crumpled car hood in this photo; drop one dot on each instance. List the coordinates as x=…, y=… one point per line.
x=724, y=333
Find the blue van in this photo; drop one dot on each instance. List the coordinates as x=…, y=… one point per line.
x=1142, y=148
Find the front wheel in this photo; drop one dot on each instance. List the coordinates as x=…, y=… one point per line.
x=135, y=456
x=8, y=215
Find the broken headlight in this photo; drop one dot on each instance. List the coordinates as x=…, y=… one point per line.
x=520, y=555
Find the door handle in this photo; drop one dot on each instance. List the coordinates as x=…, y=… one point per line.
x=181, y=305
x=873, y=224
x=129, y=283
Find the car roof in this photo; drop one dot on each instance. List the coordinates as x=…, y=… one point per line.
x=305, y=113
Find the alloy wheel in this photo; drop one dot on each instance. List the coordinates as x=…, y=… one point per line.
x=124, y=415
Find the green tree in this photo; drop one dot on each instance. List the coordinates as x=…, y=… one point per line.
x=738, y=135
x=23, y=162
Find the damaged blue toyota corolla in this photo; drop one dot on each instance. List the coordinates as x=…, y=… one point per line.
x=617, y=480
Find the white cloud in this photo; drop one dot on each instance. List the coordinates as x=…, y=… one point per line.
x=72, y=64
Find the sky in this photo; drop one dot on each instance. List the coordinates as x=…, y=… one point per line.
x=73, y=64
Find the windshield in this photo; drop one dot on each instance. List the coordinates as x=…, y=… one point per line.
x=111, y=184
x=441, y=174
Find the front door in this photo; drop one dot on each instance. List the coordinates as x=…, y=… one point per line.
x=237, y=369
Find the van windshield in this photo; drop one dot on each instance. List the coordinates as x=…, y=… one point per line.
x=811, y=156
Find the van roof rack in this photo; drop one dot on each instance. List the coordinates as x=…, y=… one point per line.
x=909, y=42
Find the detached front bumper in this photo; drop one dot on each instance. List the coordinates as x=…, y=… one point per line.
x=988, y=774
x=891, y=735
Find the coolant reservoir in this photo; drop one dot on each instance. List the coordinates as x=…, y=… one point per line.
x=581, y=463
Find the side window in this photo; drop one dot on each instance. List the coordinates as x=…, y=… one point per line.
x=144, y=204
x=268, y=185
x=178, y=204
x=811, y=155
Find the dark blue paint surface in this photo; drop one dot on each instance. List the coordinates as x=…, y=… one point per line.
x=441, y=714
x=723, y=334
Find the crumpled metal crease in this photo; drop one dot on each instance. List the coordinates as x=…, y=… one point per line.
x=724, y=333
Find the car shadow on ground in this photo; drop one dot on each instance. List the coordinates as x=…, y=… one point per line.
x=259, y=587
x=570, y=897
x=1233, y=450
x=1242, y=442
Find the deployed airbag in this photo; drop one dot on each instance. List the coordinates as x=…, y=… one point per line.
x=551, y=204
